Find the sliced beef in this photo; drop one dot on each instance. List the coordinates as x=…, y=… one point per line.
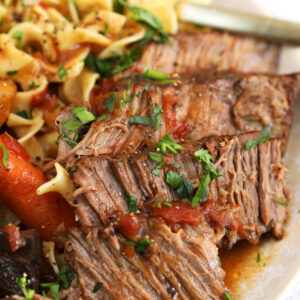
x=193, y=52
x=251, y=184
x=26, y=260
x=193, y=107
x=178, y=265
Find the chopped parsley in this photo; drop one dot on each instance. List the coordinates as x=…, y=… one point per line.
x=62, y=71
x=11, y=73
x=183, y=187
x=227, y=296
x=102, y=117
x=156, y=170
x=5, y=155
x=131, y=203
x=282, y=202
x=128, y=85
x=209, y=173
x=155, y=156
x=155, y=75
x=23, y=283
x=141, y=120
x=169, y=204
x=125, y=99
x=97, y=287
x=106, y=29
x=141, y=245
x=109, y=103
x=54, y=288
x=24, y=114
x=258, y=258
x=32, y=85
x=156, y=110
x=73, y=169
x=167, y=143
x=83, y=114
x=176, y=165
x=71, y=125
x=265, y=137
x=145, y=17
x=18, y=36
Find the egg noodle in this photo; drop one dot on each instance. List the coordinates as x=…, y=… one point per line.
x=43, y=48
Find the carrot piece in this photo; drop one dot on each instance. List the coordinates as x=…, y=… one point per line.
x=19, y=181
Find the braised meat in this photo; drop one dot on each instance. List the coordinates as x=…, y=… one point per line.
x=248, y=190
x=178, y=265
x=192, y=52
x=192, y=107
x=26, y=260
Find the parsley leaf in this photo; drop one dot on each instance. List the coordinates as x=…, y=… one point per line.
x=71, y=125
x=54, y=288
x=167, y=143
x=227, y=296
x=141, y=120
x=5, y=155
x=23, y=283
x=174, y=179
x=203, y=156
x=11, y=73
x=155, y=75
x=265, y=137
x=62, y=71
x=282, y=202
x=109, y=102
x=32, y=85
x=18, y=36
x=202, y=190
x=156, y=170
x=97, y=287
x=155, y=156
x=141, y=245
x=25, y=115
x=145, y=17
x=156, y=110
x=131, y=203
x=102, y=117
x=83, y=114
x=186, y=190
x=106, y=29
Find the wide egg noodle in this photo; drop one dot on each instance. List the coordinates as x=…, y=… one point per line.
x=78, y=89
x=88, y=5
x=35, y=150
x=61, y=183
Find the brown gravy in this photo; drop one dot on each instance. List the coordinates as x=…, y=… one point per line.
x=241, y=263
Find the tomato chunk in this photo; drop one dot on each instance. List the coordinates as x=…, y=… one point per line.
x=179, y=212
x=13, y=237
x=45, y=99
x=129, y=224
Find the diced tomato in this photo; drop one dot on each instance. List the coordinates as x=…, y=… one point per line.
x=44, y=5
x=179, y=212
x=13, y=237
x=178, y=130
x=129, y=251
x=13, y=146
x=129, y=224
x=45, y=99
x=220, y=218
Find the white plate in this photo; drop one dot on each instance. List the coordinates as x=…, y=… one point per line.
x=277, y=275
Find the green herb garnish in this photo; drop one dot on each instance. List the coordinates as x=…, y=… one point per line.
x=5, y=155
x=109, y=102
x=62, y=71
x=265, y=137
x=174, y=179
x=141, y=120
x=167, y=143
x=71, y=125
x=32, y=85
x=155, y=75
x=131, y=203
x=176, y=165
x=156, y=170
x=23, y=283
x=258, y=257
x=25, y=115
x=97, y=287
x=18, y=36
x=169, y=204
x=141, y=245
x=102, y=117
x=209, y=173
x=282, y=202
x=54, y=288
x=83, y=114
x=155, y=156
x=106, y=29
x=156, y=110
x=227, y=296
x=11, y=73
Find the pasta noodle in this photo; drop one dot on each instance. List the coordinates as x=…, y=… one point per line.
x=44, y=44
x=62, y=184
